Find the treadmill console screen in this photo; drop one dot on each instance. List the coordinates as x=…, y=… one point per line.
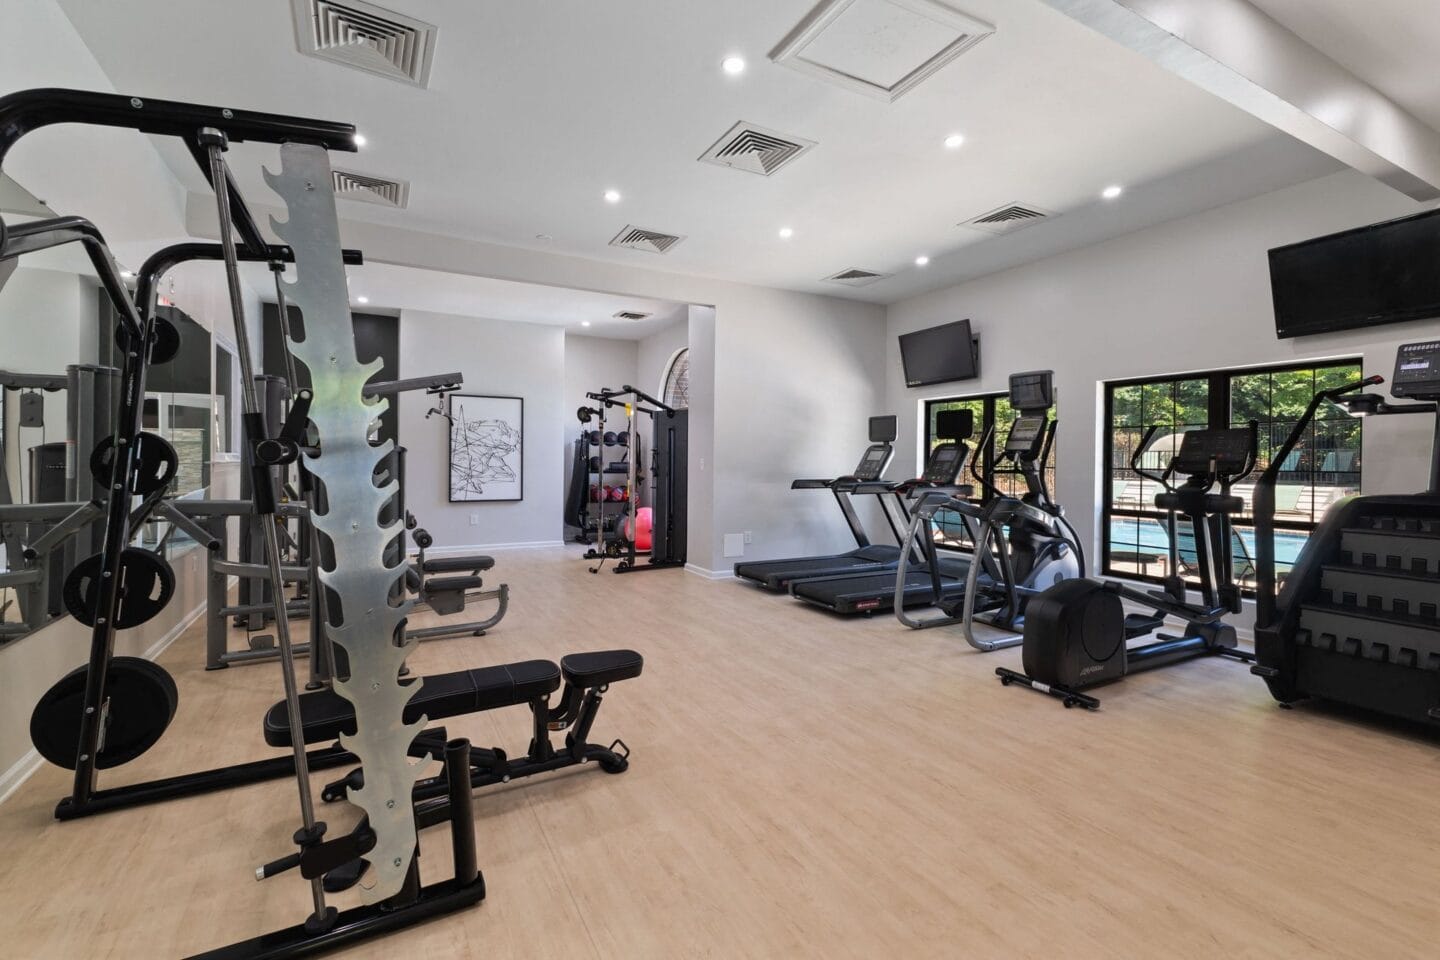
x=1229, y=450
x=1026, y=435
x=945, y=464
x=872, y=464
x=1417, y=371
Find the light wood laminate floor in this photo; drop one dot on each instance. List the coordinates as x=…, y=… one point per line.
x=801, y=786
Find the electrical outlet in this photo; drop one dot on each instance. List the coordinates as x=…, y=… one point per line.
x=474, y=519
x=749, y=537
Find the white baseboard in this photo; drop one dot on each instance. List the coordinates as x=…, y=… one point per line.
x=22, y=769
x=708, y=574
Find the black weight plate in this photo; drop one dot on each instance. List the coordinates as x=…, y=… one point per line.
x=155, y=462
x=167, y=341
x=146, y=585
x=142, y=699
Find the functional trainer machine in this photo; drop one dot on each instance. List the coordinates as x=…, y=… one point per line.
x=1358, y=620
x=1076, y=632
x=668, y=478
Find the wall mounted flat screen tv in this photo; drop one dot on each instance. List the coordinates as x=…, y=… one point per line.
x=1384, y=273
x=940, y=354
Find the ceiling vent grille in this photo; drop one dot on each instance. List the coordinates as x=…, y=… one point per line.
x=366, y=37
x=1009, y=218
x=855, y=277
x=367, y=189
x=651, y=241
x=631, y=315
x=756, y=149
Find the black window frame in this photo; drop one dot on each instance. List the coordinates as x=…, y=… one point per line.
x=983, y=426
x=1219, y=401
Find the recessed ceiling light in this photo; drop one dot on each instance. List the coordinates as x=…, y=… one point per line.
x=786, y=233
x=1111, y=192
x=359, y=139
x=920, y=261
x=955, y=141
x=612, y=196
x=362, y=299
x=584, y=323
x=733, y=65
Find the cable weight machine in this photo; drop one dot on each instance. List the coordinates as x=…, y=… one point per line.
x=667, y=477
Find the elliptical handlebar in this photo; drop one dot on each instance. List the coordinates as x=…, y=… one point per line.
x=1265, y=500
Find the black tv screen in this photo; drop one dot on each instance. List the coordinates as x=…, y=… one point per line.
x=939, y=355
x=1384, y=273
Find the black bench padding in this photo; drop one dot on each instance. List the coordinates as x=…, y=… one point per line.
x=458, y=564
x=439, y=584
x=324, y=714
x=597, y=669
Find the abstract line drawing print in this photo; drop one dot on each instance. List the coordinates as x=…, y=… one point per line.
x=486, y=448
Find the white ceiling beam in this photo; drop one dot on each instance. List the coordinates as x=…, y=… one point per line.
x=1237, y=53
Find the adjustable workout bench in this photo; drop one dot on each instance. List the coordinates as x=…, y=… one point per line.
x=449, y=595
x=325, y=715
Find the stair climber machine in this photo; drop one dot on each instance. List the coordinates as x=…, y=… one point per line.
x=778, y=574
x=942, y=579
x=1076, y=633
x=1022, y=545
x=1358, y=619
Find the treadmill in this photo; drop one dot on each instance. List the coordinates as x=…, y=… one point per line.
x=777, y=574
x=942, y=581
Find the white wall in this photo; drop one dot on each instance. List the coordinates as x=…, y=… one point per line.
x=592, y=363
x=1193, y=294
x=820, y=357
x=656, y=352
x=498, y=358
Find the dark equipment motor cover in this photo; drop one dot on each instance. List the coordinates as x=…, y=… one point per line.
x=1075, y=635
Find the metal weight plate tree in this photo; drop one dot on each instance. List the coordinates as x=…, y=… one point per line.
x=366, y=625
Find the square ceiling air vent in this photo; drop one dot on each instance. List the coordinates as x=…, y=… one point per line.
x=366, y=37
x=746, y=146
x=881, y=48
x=350, y=185
x=651, y=241
x=631, y=315
x=855, y=277
x=1009, y=218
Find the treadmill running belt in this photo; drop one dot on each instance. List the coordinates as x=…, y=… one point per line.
x=779, y=574
x=876, y=592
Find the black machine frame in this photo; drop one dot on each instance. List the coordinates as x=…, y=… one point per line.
x=668, y=537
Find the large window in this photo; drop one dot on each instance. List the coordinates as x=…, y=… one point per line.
x=993, y=415
x=1323, y=468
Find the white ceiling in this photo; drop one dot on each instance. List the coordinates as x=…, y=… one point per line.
x=1391, y=44
x=387, y=287
x=535, y=109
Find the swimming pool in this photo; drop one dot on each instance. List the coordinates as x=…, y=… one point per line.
x=1149, y=536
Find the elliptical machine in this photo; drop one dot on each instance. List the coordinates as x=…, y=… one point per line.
x=1076, y=633
x=1022, y=545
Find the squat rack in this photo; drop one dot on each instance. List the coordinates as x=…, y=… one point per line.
x=144, y=338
